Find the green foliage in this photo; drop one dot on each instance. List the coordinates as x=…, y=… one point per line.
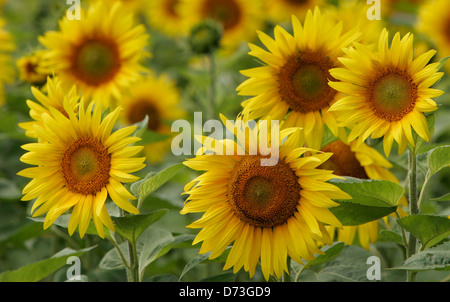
x=371, y=200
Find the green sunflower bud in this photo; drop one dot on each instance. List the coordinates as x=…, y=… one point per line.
x=205, y=37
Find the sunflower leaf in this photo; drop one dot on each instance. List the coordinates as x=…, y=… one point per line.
x=132, y=226
x=429, y=229
x=370, y=192
x=435, y=258
x=371, y=200
x=37, y=271
x=152, y=181
x=439, y=158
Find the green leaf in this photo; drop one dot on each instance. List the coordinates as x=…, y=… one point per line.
x=370, y=192
x=38, y=270
x=152, y=181
x=429, y=229
x=349, y=266
x=355, y=214
x=193, y=263
x=442, y=62
x=112, y=260
x=132, y=226
x=391, y=236
x=439, y=158
x=371, y=200
x=331, y=252
x=153, y=244
x=150, y=137
x=9, y=190
x=445, y=197
x=435, y=258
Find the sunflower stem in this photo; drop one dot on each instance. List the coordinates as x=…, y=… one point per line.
x=413, y=207
x=212, y=85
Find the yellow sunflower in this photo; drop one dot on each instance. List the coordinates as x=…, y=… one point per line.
x=353, y=13
x=360, y=161
x=30, y=68
x=239, y=18
x=434, y=21
x=101, y=53
x=55, y=98
x=164, y=15
x=387, y=91
x=293, y=86
x=281, y=11
x=7, y=70
x=135, y=6
x=268, y=212
x=159, y=99
x=79, y=165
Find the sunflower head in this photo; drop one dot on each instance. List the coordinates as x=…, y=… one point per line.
x=101, y=55
x=78, y=164
x=30, y=68
x=387, y=91
x=268, y=212
x=293, y=85
x=158, y=98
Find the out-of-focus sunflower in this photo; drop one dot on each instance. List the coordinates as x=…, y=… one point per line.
x=239, y=18
x=282, y=10
x=387, y=92
x=164, y=15
x=353, y=13
x=80, y=164
x=101, y=54
x=293, y=85
x=360, y=161
x=30, y=68
x=270, y=212
x=134, y=6
x=434, y=21
x=7, y=73
x=159, y=99
x=55, y=98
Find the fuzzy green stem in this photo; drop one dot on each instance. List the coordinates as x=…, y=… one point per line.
x=212, y=85
x=413, y=208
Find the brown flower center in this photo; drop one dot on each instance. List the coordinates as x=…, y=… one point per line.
x=392, y=94
x=227, y=12
x=343, y=162
x=140, y=109
x=303, y=82
x=95, y=61
x=85, y=166
x=263, y=196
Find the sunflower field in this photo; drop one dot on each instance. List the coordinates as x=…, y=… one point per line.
x=247, y=141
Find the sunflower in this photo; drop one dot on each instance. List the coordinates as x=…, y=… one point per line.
x=30, y=68
x=293, y=85
x=55, y=98
x=281, y=11
x=7, y=71
x=364, y=162
x=159, y=99
x=135, y=6
x=353, y=13
x=270, y=212
x=100, y=54
x=239, y=18
x=434, y=21
x=388, y=91
x=164, y=15
x=79, y=165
